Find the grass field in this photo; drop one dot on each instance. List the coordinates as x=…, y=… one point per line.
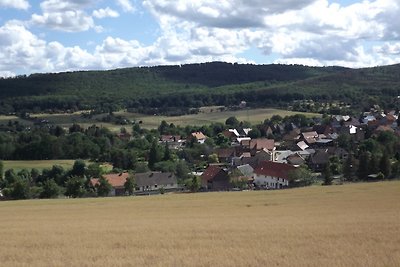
x=18, y=165
x=207, y=116
x=255, y=116
x=349, y=225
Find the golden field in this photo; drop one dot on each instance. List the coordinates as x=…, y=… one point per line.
x=349, y=225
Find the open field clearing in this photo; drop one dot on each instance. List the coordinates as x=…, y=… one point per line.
x=18, y=165
x=252, y=115
x=350, y=225
x=207, y=116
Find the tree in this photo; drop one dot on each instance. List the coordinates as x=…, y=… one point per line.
x=75, y=187
x=232, y=122
x=50, y=189
x=373, y=166
x=385, y=165
x=301, y=176
x=1, y=169
x=327, y=174
x=93, y=170
x=195, y=184
x=79, y=168
x=154, y=154
x=254, y=133
x=103, y=187
x=20, y=189
x=349, y=168
x=213, y=158
x=182, y=170
x=363, y=166
x=167, y=153
x=130, y=185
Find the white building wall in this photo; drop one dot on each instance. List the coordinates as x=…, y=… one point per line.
x=269, y=181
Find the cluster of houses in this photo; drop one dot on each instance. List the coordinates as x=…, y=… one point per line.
x=266, y=163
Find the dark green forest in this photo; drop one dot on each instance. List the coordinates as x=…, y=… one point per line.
x=174, y=90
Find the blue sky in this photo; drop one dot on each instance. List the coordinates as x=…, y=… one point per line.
x=67, y=35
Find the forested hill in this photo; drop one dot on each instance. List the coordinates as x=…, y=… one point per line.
x=175, y=89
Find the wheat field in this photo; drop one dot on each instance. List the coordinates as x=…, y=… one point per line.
x=349, y=225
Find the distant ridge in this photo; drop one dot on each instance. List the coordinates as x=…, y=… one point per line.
x=181, y=87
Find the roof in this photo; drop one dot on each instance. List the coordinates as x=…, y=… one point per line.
x=320, y=157
x=199, y=135
x=262, y=143
x=115, y=179
x=274, y=169
x=225, y=152
x=246, y=169
x=170, y=138
x=154, y=178
x=312, y=134
x=302, y=145
x=211, y=172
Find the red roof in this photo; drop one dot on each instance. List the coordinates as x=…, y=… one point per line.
x=115, y=179
x=275, y=169
x=211, y=172
x=262, y=143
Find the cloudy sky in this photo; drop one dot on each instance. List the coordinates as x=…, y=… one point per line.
x=63, y=35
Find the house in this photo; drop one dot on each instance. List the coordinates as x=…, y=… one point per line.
x=310, y=137
x=319, y=160
x=295, y=160
x=154, y=181
x=173, y=141
x=261, y=144
x=199, y=136
x=226, y=154
x=116, y=180
x=272, y=175
x=215, y=178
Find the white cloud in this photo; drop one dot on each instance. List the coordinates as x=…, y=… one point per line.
x=126, y=5
x=17, y=4
x=105, y=13
x=69, y=16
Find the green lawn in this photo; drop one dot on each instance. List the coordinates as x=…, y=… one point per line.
x=207, y=115
x=18, y=165
x=254, y=116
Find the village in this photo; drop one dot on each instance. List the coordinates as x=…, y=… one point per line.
x=299, y=155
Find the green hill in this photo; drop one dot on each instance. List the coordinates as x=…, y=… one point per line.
x=175, y=89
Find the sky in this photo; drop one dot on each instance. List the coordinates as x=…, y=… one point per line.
x=67, y=35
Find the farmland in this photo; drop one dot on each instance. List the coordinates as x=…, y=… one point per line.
x=18, y=165
x=349, y=225
x=207, y=116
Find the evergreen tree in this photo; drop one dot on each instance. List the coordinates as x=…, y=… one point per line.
x=194, y=185
x=167, y=152
x=385, y=165
x=363, y=166
x=1, y=169
x=154, y=154
x=327, y=174
x=79, y=168
x=182, y=170
x=373, y=166
x=348, y=168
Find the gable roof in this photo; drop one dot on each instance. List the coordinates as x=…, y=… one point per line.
x=211, y=172
x=115, y=179
x=154, y=178
x=198, y=135
x=246, y=169
x=274, y=169
x=225, y=152
x=262, y=143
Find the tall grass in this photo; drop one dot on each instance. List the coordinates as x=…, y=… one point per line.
x=351, y=225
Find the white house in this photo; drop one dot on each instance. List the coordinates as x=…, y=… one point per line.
x=273, y=175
